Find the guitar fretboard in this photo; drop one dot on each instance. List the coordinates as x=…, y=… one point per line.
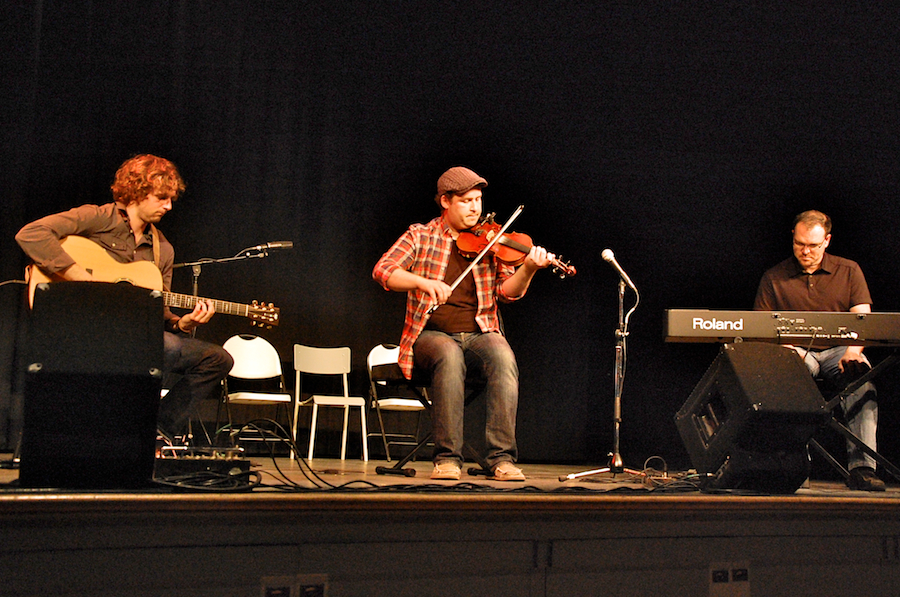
x=188, y=301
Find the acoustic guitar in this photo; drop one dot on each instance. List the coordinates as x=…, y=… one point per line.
x=145, y=274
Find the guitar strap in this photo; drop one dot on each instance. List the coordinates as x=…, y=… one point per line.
x=155, y=235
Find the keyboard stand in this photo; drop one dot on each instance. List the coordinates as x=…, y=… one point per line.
x=835, y=403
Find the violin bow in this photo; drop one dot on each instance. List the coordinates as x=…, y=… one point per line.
x=481, y=254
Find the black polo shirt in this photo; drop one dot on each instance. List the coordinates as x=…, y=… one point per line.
x=837, y=285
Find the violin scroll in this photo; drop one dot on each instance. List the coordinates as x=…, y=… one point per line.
x=561, y=268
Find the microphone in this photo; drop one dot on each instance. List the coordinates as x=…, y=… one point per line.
x=609, y=256
x=278, y=244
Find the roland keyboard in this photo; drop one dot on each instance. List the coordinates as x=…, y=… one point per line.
x=785, y=327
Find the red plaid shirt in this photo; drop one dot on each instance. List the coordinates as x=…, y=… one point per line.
x=424, y=250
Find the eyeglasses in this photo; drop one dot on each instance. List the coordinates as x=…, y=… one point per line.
x=811, y=248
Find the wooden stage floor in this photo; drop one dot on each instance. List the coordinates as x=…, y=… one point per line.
x=338, y=524
x=322, y=476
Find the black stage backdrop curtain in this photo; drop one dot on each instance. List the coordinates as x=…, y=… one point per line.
x=682, y=135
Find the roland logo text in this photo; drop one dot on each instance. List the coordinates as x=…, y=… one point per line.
x=699, y=323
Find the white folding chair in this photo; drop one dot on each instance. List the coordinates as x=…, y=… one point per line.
x=256, y=359
x=310, y=360
x=390, y=391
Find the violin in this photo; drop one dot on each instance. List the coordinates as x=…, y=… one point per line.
x=512, y=248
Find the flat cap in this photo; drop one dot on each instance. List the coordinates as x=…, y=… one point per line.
x=458, y=179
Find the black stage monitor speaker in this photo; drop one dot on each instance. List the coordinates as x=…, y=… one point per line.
x=747, y=423
x=92, y=386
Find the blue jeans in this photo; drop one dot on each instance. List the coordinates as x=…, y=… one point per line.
x=484, y=359
x=824, y=365
x=202, y=367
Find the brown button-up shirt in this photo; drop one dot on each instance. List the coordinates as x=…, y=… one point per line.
x=106, y=225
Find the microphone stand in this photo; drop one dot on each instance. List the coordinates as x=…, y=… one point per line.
x=196, y=267
x=616, y=465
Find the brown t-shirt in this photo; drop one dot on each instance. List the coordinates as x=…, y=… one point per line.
x=458, y=313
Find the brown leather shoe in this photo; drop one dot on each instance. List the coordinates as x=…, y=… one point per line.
x=863, y=478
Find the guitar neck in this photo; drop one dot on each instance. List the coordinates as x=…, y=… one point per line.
x=189, y=301
x=94, y=258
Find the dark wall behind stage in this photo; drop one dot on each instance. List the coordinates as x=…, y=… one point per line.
x=684, y=136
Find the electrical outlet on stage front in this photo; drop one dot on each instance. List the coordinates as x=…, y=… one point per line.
x=312, y=585
x=729, y=579
x=301, y=585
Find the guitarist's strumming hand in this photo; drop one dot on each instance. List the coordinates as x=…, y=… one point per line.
x=76, y=273
x=203, y=312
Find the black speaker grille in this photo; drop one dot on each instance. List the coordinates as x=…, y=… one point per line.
x=751, y=416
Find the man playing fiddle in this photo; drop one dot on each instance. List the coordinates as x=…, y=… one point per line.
x=462, y=336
